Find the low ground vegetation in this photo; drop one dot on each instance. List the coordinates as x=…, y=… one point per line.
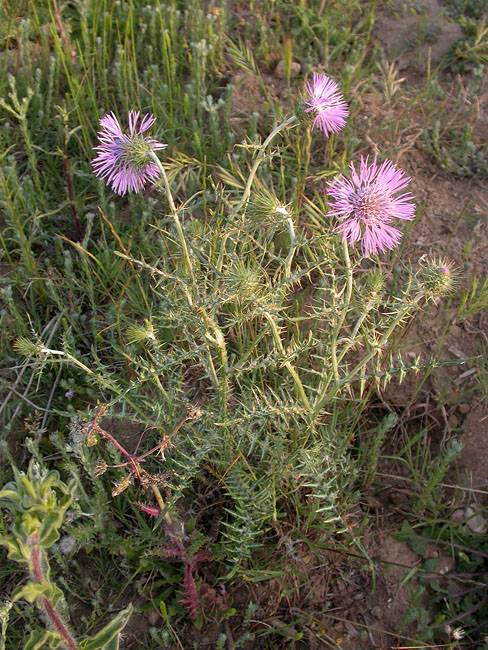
x=224, y=425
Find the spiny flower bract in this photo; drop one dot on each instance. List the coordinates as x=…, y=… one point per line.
x=124, y=159
x=327, y=103
x=367, y=203
x=437, y=276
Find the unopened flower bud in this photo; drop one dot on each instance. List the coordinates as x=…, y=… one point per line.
x=436, y=277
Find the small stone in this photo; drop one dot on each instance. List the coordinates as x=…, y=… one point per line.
x=475, y=520
x=280, y=70
x=456, y=331
x=457, y=516
x=464, y=408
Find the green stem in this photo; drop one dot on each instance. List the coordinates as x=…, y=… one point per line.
x=352, y=338
x=287, y=364
x=345, y=309
x=217, y=336
x=357, y=326
x=291, y=253
x=174, y=214
x=218, y=339
x=161, y=504
x=342, y=318
x=101, y=380
x=259, y=159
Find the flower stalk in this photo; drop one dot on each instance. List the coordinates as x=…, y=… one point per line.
x=174, y=214
x=293, y=373
x=37, y=560
x=345, y=309
x=259, y=159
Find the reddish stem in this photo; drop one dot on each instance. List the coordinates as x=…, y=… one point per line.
x=161, y=447
x=53, y=615
x=108, y=436
x=134, y=460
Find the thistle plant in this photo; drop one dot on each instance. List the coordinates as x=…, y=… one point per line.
x=266, y=317
x=36, y=503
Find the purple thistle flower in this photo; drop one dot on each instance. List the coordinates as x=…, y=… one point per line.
x=124, y=159
x=327, y=102
x=368, y=202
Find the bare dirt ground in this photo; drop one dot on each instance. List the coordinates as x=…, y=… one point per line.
x=454, y=225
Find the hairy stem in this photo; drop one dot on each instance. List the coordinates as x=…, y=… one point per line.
x=54, y=616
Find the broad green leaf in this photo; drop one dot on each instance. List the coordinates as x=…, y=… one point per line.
x=51, y=480
x=12, y=547
x=49, y=532
x=30, y=523
x=9, y=494
x=42, y=639
x=28, y=486
x=108, y=637
x=32, y=590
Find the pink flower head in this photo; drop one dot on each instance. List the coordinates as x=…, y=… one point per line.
x=327, y=102
x=368, y=202
x=124, y=159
